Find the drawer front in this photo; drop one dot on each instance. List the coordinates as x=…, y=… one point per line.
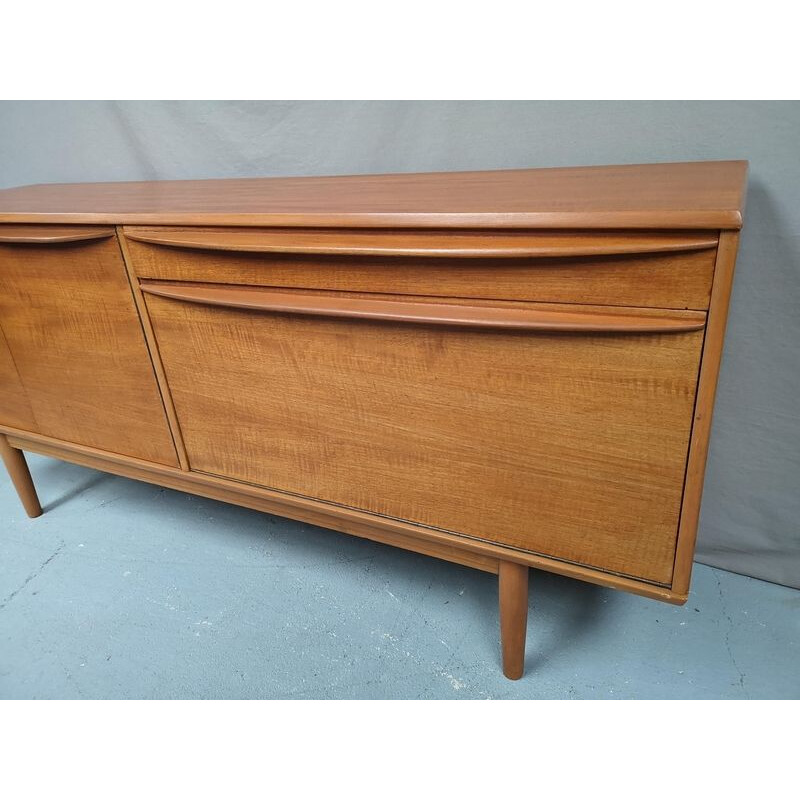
x=658, y=270
x=74, y=334
x=553, y=431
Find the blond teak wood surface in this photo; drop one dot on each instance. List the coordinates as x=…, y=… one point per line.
x=15, y=410
x=20, y=477
x=51, y=234
x=457, y=313
x=566, y=445
x=428, y=244
x=704, y=407
x=513, y=587
x=675, y=278
x=429, y=541
x=158, y=367
x=68, y=317
x=503, y=369
x=699, y=195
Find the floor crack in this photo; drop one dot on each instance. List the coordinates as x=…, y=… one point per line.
x=30, y=577
x=728, y=633
x=71, y=679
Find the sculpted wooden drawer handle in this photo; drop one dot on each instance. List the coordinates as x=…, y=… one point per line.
x=586, y=319
x=428, y=244
x=50, y=234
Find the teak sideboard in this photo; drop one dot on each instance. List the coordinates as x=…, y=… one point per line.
x=506, y=369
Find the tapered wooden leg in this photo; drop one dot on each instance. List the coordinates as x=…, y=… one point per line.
x=513, y=617
x=20, y=477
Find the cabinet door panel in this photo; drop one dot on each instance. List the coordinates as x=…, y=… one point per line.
x=569, y=444
x=76, y=339
x=15, y=410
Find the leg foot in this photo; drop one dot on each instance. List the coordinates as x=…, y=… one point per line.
x=20, y=477
x=513, y=617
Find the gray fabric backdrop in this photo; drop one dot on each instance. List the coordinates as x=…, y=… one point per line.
x=751, y=508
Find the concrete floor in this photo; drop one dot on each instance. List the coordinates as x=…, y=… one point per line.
x=124, y=590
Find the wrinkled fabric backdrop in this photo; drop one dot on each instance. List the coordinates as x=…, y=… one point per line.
x=751, y=507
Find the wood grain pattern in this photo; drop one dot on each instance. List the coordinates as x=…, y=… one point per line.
x=507, y=316
x=704, y=407
x=659, y=280
x=15, y=410
x=72, y=328
x=697, y=195
x=430, y=244
x=358, y=523
x=51, y=234
x=576, y=444
x=505, y=369
x=155, y=356
x=20, y=476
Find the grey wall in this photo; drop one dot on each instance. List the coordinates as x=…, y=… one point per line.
x=751, y=508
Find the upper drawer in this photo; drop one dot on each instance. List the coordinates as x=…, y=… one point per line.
x=655, y=269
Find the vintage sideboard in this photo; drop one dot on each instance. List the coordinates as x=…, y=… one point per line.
x=505, y=369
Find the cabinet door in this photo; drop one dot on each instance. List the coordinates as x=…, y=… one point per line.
x=559, y=430
x=15, y=410
x=69, y=319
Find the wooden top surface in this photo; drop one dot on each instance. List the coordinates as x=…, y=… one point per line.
x=703, y=194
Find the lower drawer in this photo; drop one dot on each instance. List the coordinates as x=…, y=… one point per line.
x=560, y=432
